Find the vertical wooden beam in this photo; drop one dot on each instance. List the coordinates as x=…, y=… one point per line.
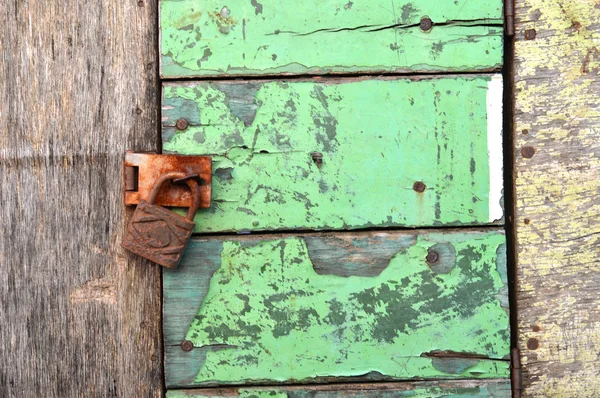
x=78, y=86
x=557, y=144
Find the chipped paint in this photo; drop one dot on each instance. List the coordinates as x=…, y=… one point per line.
x=557, y=112
x=426, y=389
x=495, y=148
x=328, y=36
x=377, y=138
x=274, y=318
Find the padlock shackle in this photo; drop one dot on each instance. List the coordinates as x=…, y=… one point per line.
x=193, y=184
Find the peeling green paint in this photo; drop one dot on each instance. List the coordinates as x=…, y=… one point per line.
x=433, y=389
x=377, y=138
x=274, y=318
x=201, y=37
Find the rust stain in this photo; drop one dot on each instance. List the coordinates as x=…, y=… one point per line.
x=187, y=19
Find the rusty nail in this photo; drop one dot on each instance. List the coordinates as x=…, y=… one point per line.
x=527, y=221
x=432, y=257
x=425, y=24
x=140, y=3
x=530, y=34
x=533, y=344
x=527, y=151
x=419, y=186
x=187, y=345
x=317, y=157
x=181, y=124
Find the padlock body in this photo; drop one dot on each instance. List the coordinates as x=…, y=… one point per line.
x=158, y=234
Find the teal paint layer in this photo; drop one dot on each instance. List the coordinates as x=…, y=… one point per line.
x=243, y=37
x=377, y=138
x=267, y=316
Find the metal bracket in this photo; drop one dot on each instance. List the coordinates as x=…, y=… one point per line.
x=143, y=169
x=515, y=372
x=509, y=17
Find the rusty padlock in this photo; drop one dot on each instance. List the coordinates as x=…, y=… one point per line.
x=158, y=234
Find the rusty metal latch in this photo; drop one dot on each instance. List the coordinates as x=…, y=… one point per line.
x=153, y=180
x=142, y=170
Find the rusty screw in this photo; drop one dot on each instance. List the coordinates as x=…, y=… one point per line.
x=432, y=257
x=527, y=151
x=426, y=24
x=530, y=34
x=181, y=124
x=419, y=186
x=187, y=345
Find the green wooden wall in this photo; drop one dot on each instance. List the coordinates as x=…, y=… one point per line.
x=294, y=153
x=377, y=138
x=257, y=37
x=299, y=308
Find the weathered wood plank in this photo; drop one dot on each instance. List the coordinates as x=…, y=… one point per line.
x=281, y=309
x=209, y=38
x=78, y=86
x=557, y=140
x=423, y=389
x=377, y=138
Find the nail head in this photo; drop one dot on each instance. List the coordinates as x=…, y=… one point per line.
x=181, y=124
x=419, y=186
x=425, y=24
x=187, y=345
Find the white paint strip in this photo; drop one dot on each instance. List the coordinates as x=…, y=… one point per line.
x=494, y=134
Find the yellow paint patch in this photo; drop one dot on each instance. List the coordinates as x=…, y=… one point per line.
x=557, y=85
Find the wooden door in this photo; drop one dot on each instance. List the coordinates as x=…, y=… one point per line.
x=356, y=228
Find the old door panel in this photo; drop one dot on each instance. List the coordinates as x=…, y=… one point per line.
x=337, y=306
x=270, y=37
x=343, y=154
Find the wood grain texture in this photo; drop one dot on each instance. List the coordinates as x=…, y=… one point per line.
x=267, y=37
x=557, y=137
x=78, y=86
x=423, y=389
x=292, y=308
x=377, y=138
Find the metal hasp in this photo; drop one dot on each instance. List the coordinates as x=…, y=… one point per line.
x=142, y=170
x=151, y=180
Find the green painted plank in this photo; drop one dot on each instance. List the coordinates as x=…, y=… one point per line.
x=291, y=308
x=268, y=37
x=377, y=138
x=425, y=389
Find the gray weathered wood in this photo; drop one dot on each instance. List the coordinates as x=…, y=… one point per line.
x=557, y=131
x=78, y=86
